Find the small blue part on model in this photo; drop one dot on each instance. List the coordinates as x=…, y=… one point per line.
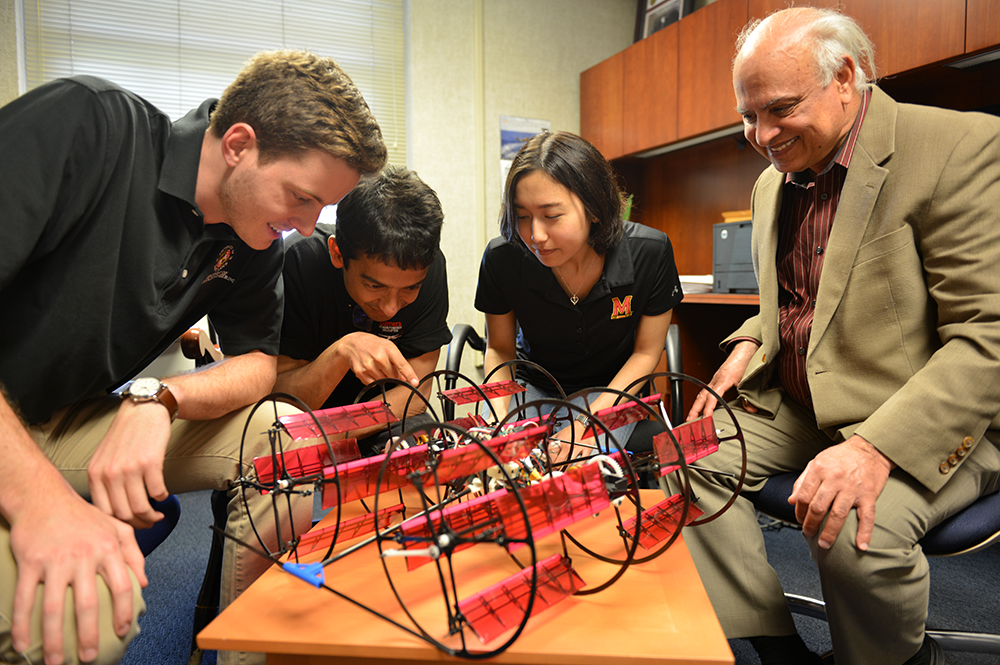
x=310, y=572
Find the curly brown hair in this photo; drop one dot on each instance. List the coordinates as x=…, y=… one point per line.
x=298, y=101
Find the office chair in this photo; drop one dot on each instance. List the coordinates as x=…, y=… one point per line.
x=672, y=347
x=972, y=529
x=461, y=334
x=199, y=345
x=149, y=539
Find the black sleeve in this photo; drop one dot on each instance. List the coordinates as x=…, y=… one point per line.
x=667, y=292
x=54, y=134
x=496, y=271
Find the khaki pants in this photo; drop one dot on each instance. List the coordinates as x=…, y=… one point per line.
x=200, y=455
x=876, y=600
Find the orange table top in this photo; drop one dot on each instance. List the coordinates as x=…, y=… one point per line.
x=657, y=612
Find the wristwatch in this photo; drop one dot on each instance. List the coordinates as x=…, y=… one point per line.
x=151, y=389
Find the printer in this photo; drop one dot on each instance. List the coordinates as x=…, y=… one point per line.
x=732, y=266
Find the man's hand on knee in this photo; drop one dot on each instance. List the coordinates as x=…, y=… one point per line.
x=850, y=475
x=60, y=543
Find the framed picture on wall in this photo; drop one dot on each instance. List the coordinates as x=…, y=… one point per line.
x=653, y=15
x=658, y=14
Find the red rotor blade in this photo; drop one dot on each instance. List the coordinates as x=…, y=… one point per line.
x=358, y=478
x=501, y=607
x=306, y=461
x=620, y=415
x=659, y=522
x=468, y=422
x=470, y=459
x=697, y=439
x=555, y=503
x=469, y=520
x=320, y=539
x=338, y=419
x=470, y=395
x=551, y=505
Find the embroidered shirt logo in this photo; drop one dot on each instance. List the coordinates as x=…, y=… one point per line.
x=390, y=329
x=225, y=256
x=621, y=309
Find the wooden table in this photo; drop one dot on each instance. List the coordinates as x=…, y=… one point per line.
x=657, y=612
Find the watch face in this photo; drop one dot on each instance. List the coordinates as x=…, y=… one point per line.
x=146, y=388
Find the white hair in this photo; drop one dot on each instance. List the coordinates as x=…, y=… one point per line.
x=829, y=34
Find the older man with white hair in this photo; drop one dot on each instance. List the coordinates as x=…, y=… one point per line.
x=872, y=366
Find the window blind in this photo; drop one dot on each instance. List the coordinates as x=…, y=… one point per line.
x=177, y=53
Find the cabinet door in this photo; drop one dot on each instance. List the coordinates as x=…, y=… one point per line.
x=762, y=8
x=907, y=33
x=601, y=105
x=706, y=43
x=983, y=25
x=911, y=33
x=650, y=94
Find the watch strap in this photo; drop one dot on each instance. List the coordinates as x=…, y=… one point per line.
x=167, y=399
x=162, y=395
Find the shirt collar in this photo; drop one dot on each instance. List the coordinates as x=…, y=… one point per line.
x=618, y=267
x=179, y=174
x=844, y=153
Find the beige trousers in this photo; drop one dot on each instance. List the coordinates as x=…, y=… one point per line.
x=200, y=455
x=876, y=600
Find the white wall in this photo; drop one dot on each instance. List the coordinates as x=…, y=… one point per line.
x=471, y=61
x=8, y=50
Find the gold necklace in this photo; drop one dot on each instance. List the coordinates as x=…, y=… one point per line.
x=573, y=298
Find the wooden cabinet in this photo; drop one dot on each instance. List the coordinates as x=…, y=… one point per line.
x=907, y=33
x=913, y=33
x=705, y=99
x=650, y=106
x=677, y=84
x=982, y=26
x=683, y=193
x=601, y=99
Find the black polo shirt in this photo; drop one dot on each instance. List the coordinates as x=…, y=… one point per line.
x=319, y=311
x=107, y=260
x=581, y=345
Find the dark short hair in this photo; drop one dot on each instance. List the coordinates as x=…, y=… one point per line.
x=393, y=217
x=298, y=101
x=578, y=166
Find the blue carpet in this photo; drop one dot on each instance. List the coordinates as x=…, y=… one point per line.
x=175, y=570
x=964, y=592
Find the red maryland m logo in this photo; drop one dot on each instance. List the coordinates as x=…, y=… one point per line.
x=621, y=309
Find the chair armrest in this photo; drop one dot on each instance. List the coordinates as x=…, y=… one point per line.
x=462, y=334
x=197, y=345
x=672, y=346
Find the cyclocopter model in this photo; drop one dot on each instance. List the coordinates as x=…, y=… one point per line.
x=443, y=491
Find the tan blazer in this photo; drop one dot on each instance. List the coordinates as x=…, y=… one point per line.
x=905, y=344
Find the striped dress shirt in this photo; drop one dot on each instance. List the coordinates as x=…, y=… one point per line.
x=808, y=208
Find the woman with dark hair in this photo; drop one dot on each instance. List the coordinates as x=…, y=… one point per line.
x=571, y=286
